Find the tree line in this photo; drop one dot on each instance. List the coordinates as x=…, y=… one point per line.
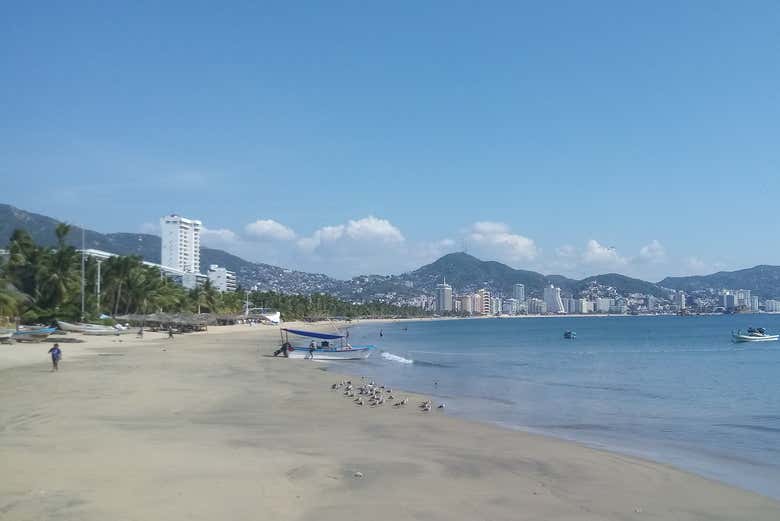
x=41, y=284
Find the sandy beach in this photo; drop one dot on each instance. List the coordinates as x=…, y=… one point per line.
x=208, y=426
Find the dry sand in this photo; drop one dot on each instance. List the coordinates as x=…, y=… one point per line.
x=207, y=427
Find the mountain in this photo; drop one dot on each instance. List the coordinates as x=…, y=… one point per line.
x=465, y=272
x=462, y=271
x=762, y=280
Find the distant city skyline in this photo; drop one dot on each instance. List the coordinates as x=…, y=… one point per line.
x=565, y=139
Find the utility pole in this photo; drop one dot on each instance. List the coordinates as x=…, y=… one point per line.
x=97, y=286
x=83, y=261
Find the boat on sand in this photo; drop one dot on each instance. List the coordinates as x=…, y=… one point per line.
x=327, y=346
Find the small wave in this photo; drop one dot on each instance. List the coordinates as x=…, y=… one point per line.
x=396, y=358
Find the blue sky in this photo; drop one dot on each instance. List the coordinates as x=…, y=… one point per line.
x=341, y=137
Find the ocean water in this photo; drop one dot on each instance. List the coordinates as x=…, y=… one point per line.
x=670, y=389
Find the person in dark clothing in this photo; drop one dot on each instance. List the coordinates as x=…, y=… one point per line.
x=283, y=350
x=56, y=354
x=170, y=333
x=312, y=347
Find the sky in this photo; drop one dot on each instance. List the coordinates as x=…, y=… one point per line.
x=366, y=137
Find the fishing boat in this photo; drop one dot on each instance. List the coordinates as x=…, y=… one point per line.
x=326, y=347
x=90, y=329
x=758, y=334
x=6, y=335
x=33, y=335
x=570, y=335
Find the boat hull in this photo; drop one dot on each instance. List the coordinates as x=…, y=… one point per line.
x=33, y=335
x=749, y=338
x=356, y=353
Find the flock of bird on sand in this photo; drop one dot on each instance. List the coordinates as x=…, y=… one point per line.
x=373, y=395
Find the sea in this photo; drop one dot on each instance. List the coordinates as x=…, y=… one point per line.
x=673, y=389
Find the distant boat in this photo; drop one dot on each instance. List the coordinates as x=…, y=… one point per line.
x=323, y=350
x=758, y=334
x=33, y=335
x=89, y=329
x=570, y=335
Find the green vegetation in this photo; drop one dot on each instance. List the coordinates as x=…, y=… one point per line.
x=40, y=284
x=320, y=306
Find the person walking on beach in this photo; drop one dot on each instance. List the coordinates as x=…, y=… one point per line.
x=170, y=333
x=312, y=347
x=140, y=333
x=56, y=354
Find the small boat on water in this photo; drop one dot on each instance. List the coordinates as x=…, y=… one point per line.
x=758, y=334
x=33, y=335
x=570, y=335
x=340, y=349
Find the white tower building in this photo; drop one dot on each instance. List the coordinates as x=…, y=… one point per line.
x=180, y=243
x=552, y=297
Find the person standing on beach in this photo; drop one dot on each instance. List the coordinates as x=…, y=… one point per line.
x=170, y=333
x=56, y=354
x=312, y=347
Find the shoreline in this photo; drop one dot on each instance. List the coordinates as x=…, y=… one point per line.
x=227, y=404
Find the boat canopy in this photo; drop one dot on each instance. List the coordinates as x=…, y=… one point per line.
x=312, y=334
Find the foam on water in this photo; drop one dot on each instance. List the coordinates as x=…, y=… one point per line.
x=396, y=358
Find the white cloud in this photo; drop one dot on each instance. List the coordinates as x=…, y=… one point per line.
x=497, y=240
x=654, y=252
x=596, y=254
x=268, y=229
x=366, y=229
x=217, y=236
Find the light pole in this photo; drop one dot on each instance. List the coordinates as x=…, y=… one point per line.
x=83, y=260
x=97, y=286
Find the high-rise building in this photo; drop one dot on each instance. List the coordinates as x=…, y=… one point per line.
x=180, y=243
x=754, y=303
x=603, y=304
x=552, y=297
x=509, y=307
x=518, y=292
x=443, y=297
x=466, y=304
x=485, y=302
x=679, y=299
x=583, y=306
x=743, y=298
x=536, y=306
x=222, y=278
x=772, y=306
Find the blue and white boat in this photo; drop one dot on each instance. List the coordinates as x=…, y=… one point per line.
x=33, y=334
x=326, y=346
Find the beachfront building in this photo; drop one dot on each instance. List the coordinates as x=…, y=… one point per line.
x=603, y=305
x=552, y=297
x=180, y=243
x=754, y=304
x=518, y=292
x=495, y=306
x=222, y=278
x=772, y=306
x=536, y=306
x=679, y=300
x=466, y=304
x=743, y=298
x=509, y=307
x=485, y=302
x=443, y=297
